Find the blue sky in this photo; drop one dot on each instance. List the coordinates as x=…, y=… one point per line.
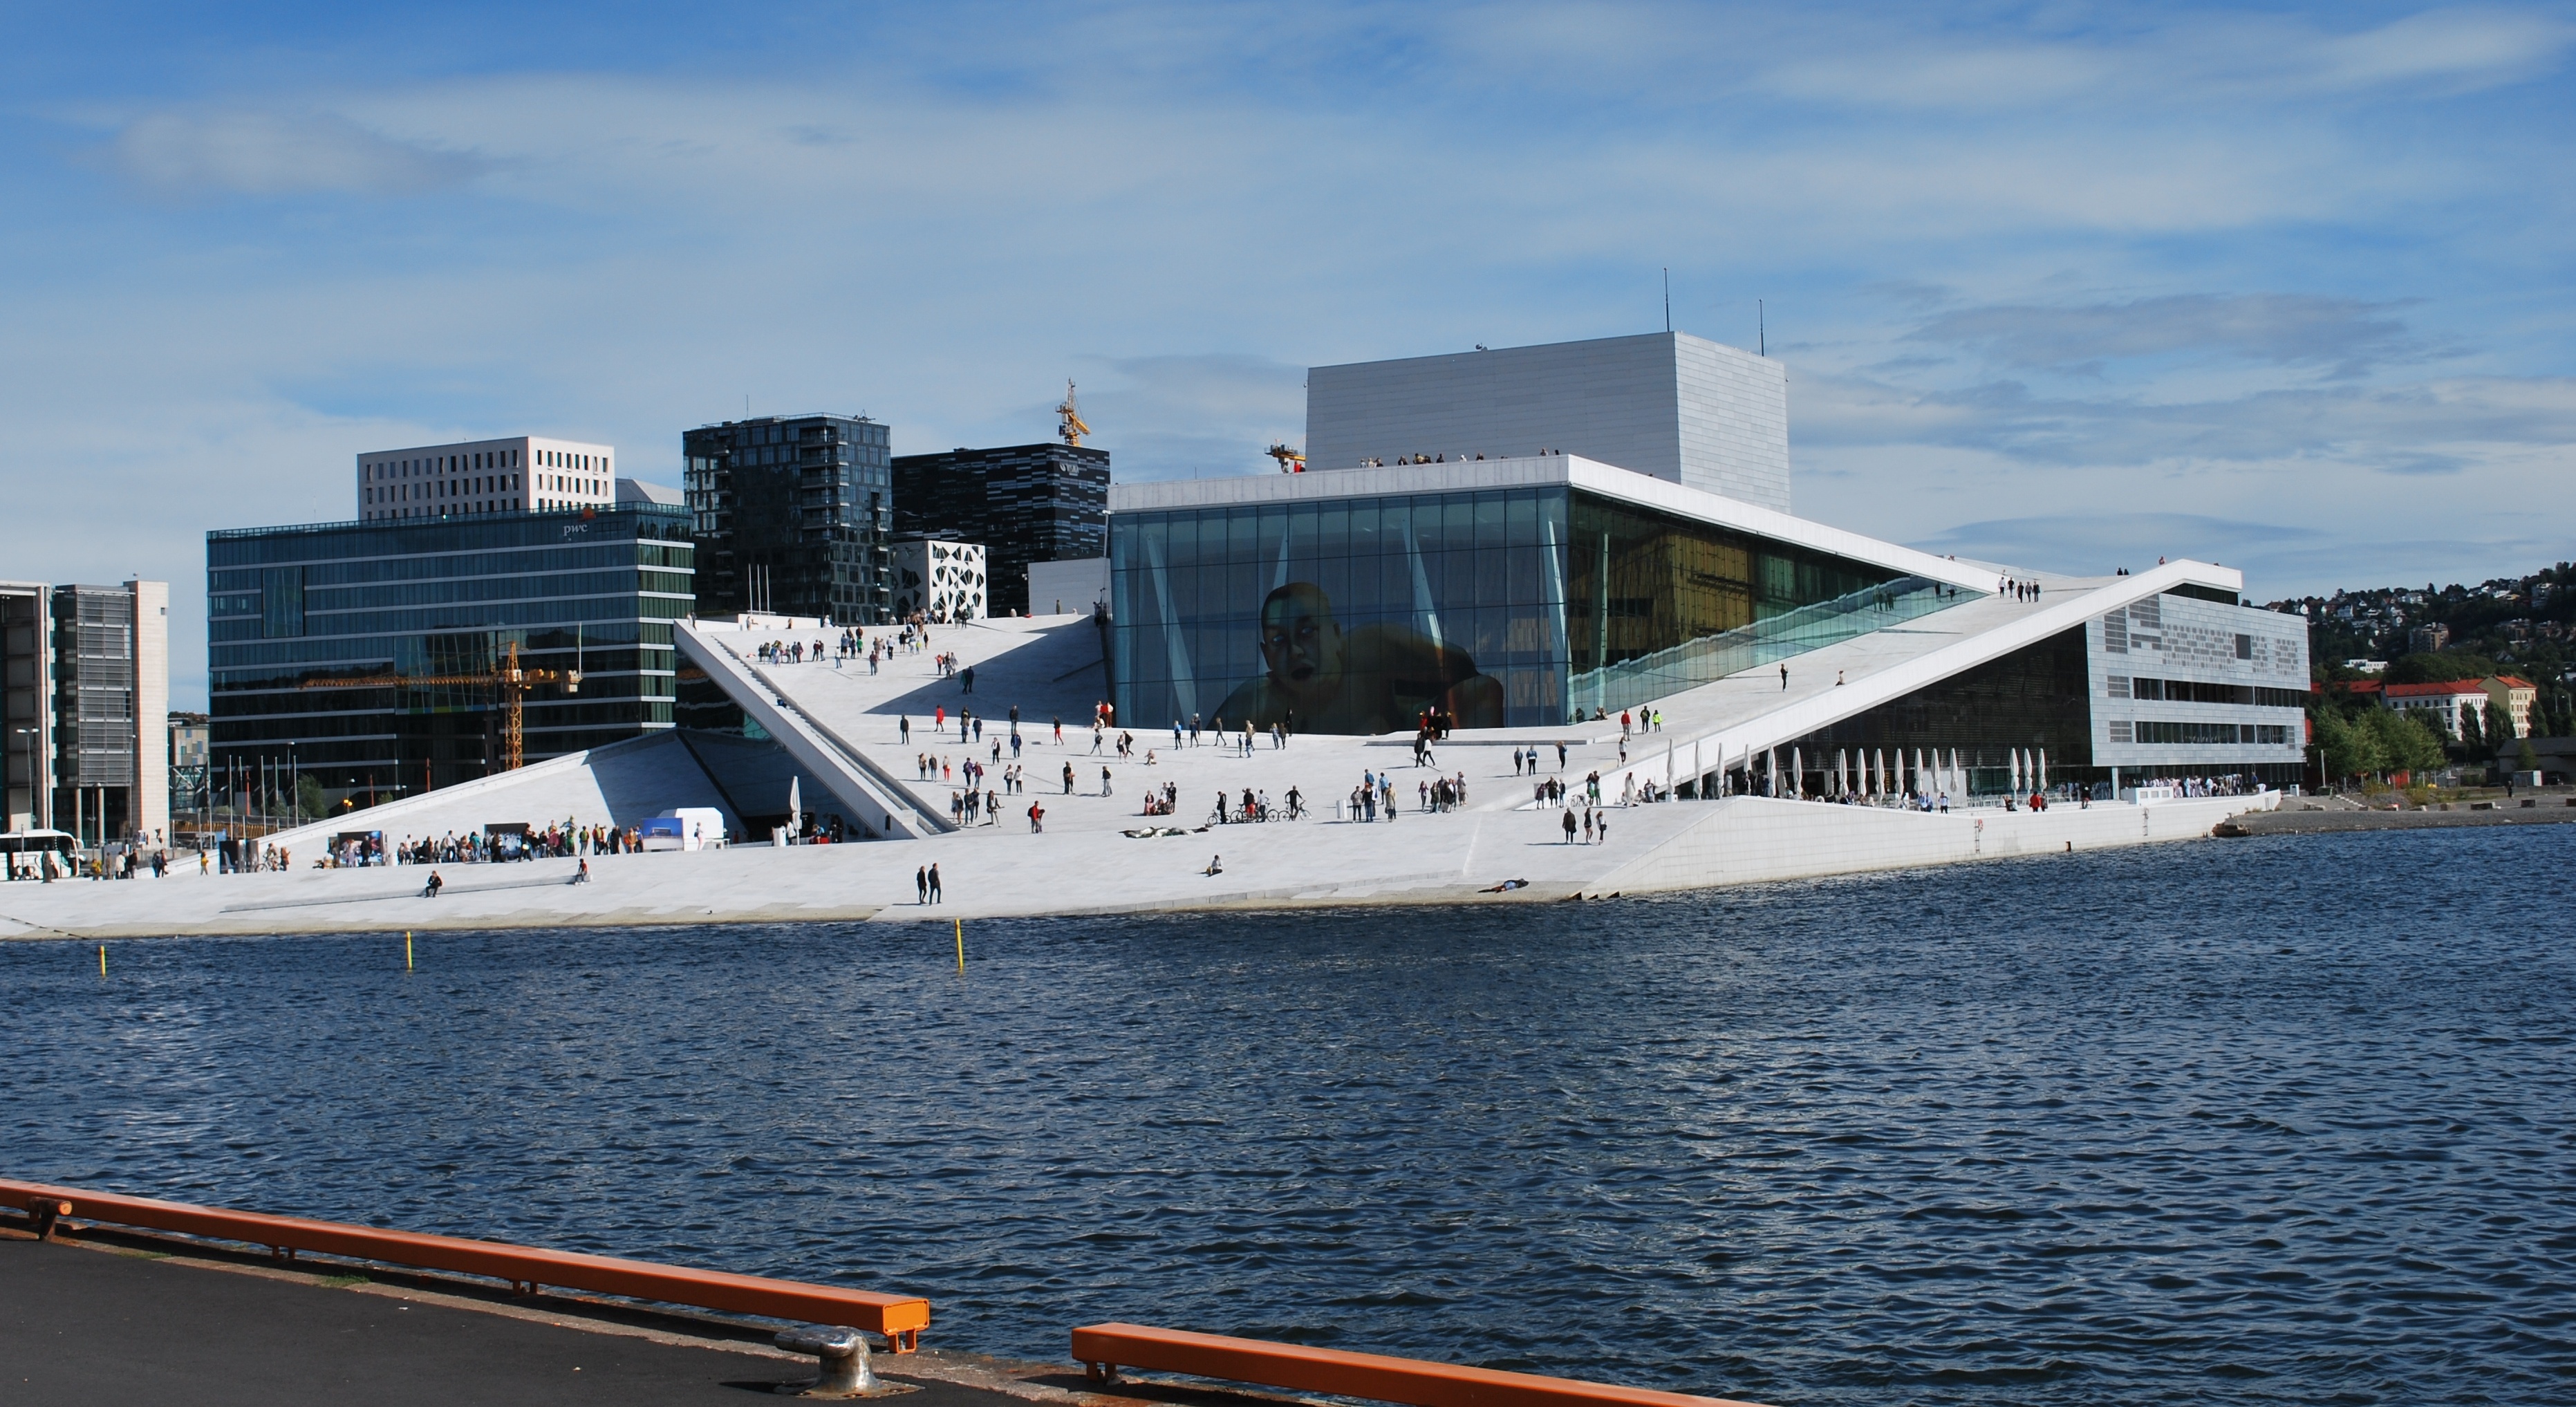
x=2066, y=286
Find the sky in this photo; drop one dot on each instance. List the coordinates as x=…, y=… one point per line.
x=2068, y=287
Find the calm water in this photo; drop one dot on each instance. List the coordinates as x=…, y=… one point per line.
x=2261, y=1121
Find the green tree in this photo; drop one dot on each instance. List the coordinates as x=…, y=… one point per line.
x=2472, y=737
x=2345, y=748
x=309, y=803
x=2404, y=742
x=2524, y=759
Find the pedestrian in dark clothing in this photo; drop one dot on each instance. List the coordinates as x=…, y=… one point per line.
x=921, y=886
x=935, y=895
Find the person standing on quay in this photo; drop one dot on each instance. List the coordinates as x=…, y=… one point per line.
x=935, y=896
x=1068, y=779
x=921, y=885
x=1569, y=825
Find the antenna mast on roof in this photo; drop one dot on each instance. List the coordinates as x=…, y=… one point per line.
x=1761, y=331
x=1071, y=427
x=1668, y=300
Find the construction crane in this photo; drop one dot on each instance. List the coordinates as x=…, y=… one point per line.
x=1290, y=461
x=509, y=681
x=1071, y=427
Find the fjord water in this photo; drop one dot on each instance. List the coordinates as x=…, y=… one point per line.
x=2274, y=1120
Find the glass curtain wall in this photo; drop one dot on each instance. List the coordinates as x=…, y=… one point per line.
x=1343, y=616
x=1660, y=604
x=424, y=611
x=1507, y=607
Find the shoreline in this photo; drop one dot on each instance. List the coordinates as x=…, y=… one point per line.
x=1435, y=859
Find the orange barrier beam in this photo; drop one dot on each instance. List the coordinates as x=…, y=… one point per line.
x=1105, y=1348
x=899, y=1318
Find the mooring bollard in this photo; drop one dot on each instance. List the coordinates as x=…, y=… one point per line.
x=843, y=1352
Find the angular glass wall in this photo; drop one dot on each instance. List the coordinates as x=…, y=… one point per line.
x=1346, y=615
x=1659, y=604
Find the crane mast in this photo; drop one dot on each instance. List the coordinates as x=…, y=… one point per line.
x=509, y=680
x=1071, y=427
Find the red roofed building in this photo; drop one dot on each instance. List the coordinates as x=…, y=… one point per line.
x=2452, y=703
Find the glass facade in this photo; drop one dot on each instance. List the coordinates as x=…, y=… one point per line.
x=2032, y=701
x=389, y=603
x=1500, y=607
x=1661, y=603
x=795, y=514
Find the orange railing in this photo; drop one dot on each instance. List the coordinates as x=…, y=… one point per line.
x=899, y=1318
x=1105, y=1348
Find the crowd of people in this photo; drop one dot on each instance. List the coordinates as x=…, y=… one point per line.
x=563, y=841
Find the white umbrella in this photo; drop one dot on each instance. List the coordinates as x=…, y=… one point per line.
x=795, y=805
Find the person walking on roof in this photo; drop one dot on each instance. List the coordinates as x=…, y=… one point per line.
x=935, y=896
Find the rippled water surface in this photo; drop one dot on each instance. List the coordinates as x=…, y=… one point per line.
x=2258, y=1121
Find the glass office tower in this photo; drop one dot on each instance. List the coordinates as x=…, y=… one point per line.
x=1505, y=606
x=793, y=514
x=1024, y=503
x=420, y=611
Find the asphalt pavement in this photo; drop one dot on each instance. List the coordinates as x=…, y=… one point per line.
x=87, y=1325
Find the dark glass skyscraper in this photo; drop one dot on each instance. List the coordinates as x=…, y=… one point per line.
x=1025, y=503
x=792, y=514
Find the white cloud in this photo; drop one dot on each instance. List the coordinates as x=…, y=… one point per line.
x=2192, y=59
x=2346, y=334
x=270, y=154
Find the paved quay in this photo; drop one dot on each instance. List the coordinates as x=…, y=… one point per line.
x=2552, y=809
x=91, y=1323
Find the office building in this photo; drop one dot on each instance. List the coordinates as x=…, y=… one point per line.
x=87, y=683
x=793, y=514
x=411, y=618
x=524, y=474
x=1025, y=503
x=1667, y=405
x=940, y=581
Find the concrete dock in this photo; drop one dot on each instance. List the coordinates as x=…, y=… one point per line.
x=123, y=1319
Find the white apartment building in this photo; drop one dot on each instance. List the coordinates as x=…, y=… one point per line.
x=527, y=474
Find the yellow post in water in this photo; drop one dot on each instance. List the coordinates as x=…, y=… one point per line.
x=406, y=950
x=102, y=960
x=961, y=948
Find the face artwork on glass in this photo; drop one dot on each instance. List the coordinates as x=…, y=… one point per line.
x=1375, y=678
